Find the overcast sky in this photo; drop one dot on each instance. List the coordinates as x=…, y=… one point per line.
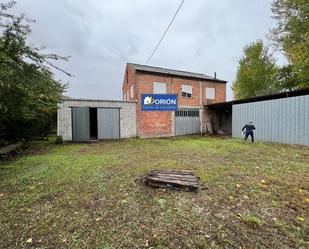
x=103, y=35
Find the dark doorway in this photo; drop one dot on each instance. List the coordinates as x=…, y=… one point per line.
x=93, y=114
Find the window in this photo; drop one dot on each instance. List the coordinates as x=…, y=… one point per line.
x=186, y=91
x=124, y=97
x=210, y=93
x=128, y=95
x=187, y=112
x=131, y=91
x=159, y=87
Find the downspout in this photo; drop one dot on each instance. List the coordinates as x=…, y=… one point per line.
x=173, y=113
x=201, y=108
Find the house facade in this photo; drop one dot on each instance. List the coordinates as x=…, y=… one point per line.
x=193, y=91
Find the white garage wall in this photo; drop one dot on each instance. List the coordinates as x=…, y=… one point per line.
x=283, y=120
x=127, y=116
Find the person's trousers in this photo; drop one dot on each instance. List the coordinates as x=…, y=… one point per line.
x=250, y=133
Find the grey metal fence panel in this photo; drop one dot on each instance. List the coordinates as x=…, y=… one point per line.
x=108, y=123
x=80, y=124
x=280, y=120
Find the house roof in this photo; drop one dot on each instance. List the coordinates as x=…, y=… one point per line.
x=166, y=71
x=95, y=100
x=280, y=95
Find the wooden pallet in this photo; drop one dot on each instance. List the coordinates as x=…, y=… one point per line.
x=173, y=179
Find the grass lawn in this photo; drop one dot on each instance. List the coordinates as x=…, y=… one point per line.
x=85, y=196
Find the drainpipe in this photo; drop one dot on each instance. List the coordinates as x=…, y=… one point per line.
x=201, y=108
x=173, y=113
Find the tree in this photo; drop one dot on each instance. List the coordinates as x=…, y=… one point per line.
x=28, y=91
x=287, y=80
x=256, y=74
x=291, y=35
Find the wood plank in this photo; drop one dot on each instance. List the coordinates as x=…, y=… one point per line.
x=174, y=178
x=180, y=172
x=173, y=170
x=174, y=175
x=185, y=183
x=173, y=186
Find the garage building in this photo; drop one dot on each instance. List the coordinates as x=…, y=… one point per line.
x=82, y=120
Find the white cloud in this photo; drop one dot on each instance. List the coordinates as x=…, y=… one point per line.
x=101, y=36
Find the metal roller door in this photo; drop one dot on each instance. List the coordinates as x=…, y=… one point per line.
x=187, y=121
x=80, y=124
x=108, y=123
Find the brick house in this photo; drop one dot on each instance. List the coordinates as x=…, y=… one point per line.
x=193, y=90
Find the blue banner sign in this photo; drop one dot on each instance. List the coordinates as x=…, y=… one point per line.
x=159, y=102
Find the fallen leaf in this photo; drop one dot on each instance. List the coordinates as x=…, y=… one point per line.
x=263, y=181
x=300, y=218
x=1, y=194
x=306, y=199
x=97, y=219
x=238, y=185
x=29, y=240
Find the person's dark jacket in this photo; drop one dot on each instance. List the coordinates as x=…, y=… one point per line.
x=249, y=128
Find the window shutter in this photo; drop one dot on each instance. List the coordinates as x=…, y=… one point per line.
x=186, y=89
x=210, y=93
x=159, y=87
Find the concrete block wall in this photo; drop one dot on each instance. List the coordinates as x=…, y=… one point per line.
x=127, y=116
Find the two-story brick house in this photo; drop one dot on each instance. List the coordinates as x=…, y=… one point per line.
x=194, y=90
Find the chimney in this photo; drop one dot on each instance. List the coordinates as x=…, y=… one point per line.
x=215, y=75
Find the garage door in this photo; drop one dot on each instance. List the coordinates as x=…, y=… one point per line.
x=80, y=124
x=187, y=121
x=108, y=123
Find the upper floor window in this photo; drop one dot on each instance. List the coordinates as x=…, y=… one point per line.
x=131, y=91
x=159, y=87
x=128, y=95
x=210, y=92
x=186, y=91
x=124, y=97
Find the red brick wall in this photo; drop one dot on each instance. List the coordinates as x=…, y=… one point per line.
x=152, y=123
x=155, y=123
x=128, y=80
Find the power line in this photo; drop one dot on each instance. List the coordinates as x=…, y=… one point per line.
x=168, y=26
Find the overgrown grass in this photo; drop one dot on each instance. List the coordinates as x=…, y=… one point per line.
x=86, y=196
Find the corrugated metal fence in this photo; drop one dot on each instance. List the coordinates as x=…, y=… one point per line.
x=283, y=120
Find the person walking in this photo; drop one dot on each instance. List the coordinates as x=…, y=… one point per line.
x=248, y=130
